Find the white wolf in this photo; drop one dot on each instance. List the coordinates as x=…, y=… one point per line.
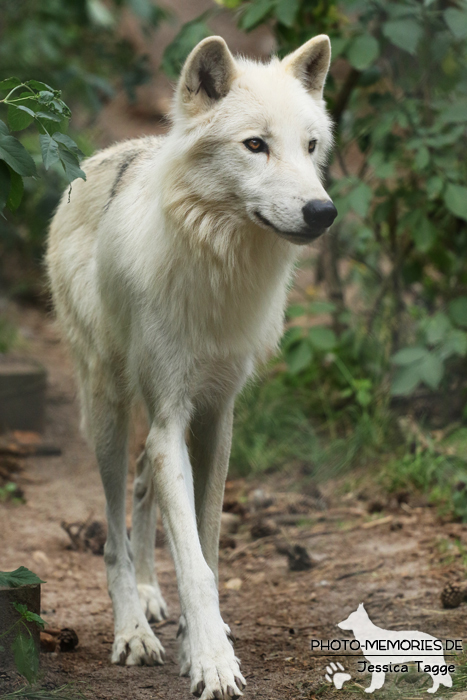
x=406, y=646
x=169, y=270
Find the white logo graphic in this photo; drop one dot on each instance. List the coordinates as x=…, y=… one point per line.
x=335, y=676
x=387, y=650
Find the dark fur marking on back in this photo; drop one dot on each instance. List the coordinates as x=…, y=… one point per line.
x=124, y=165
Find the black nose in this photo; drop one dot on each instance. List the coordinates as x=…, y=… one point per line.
x=319, y=214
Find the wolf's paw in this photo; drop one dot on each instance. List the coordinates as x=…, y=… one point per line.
x=216, y=674
x=152, y=602
x=184, y=656
x=334, y=675
x=137, y=647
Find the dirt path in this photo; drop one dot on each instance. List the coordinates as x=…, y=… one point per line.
x=397, y=568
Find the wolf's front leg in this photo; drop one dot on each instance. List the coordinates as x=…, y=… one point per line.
x=377, y=682
x=143, y=532
x=135, y=642
x=214, y=670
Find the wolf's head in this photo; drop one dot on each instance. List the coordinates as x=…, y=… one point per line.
x=256, y=136
x=356, y=619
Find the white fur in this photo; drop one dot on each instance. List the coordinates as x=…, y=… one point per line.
x=169, y=289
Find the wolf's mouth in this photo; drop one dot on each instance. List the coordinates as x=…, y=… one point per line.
x=265, y=221
x=299, y=238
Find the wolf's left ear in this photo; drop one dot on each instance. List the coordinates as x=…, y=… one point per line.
x=310, y=64
x=207, y=74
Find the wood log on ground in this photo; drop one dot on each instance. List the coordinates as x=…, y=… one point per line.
x=26, y=595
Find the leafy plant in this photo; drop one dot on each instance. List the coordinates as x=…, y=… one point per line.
x=442, y=478
x=33, y=102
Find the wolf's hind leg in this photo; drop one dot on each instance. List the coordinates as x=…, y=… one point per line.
x=135, y=642
x=143, y=533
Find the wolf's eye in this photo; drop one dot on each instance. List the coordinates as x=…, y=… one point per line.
x=256, y=145
x=312, y=146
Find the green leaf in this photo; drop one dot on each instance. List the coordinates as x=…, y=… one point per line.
x=291, y=336
x=425, y=235
x=38, y=85
x=456, y=21
x=403, y=33
x=46, y=97
x=322, y=337
x=286, y=11
x=255, y=13
x=405, y=381
x=455, y=198
x=455, y=343
x=360, y=198
x=18, y=577
x=458, y=311
x=28, y=615
x=49, y=150
x=49, y=115
x=70, y=164
x=69, y=143
x=431, y=370
x=295, y=310
x=322, y=307
x=437, y=328
x=434, y=186
x=362, y=51
x=3, y=128
x=455, y=113
x=5, y=185
x=19, y=117
x=99, y=14
x=16, y=191
x=408, y=356
x=26, y=656
x=299, y=357
x=422, y=157
x=9, y=83
x=16, y=156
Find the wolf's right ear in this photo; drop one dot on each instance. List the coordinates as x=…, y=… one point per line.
x=310, y=64
x=207, y=75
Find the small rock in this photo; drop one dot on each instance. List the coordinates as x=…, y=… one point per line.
x=41, y=558
x=234, y=584
x=263, y=527
x=260, y=500
x=48, y=643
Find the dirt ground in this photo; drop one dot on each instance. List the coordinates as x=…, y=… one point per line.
x=395, y=561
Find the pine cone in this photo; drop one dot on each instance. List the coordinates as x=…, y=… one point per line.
x=68, y=639
x=452, y=595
